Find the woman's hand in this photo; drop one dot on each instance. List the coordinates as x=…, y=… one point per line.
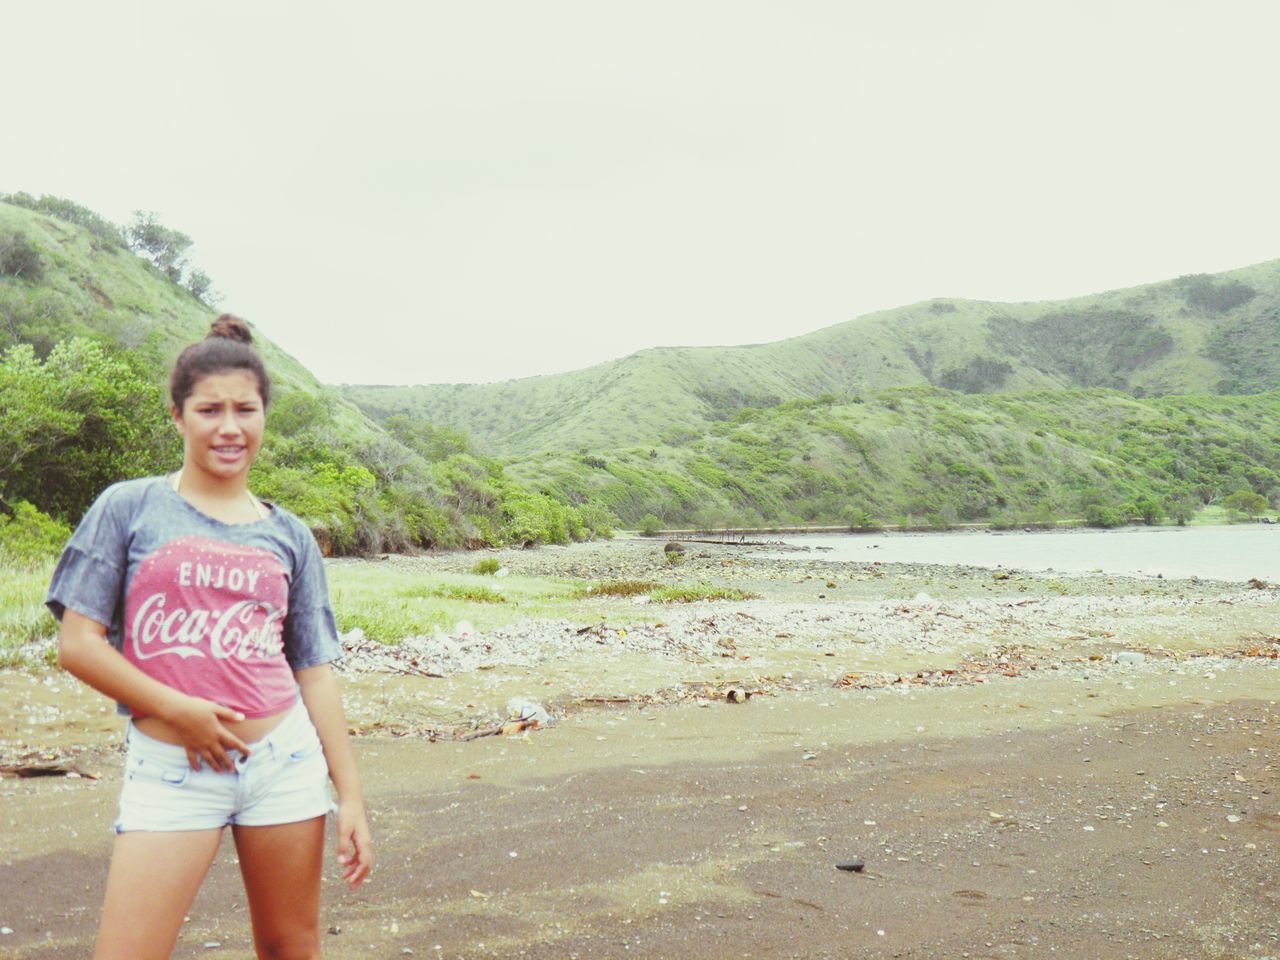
x=84, y=652
x=200, y=725
x=355, y=844
x=324, y=704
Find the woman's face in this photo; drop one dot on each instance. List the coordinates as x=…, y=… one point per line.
x=221, y=424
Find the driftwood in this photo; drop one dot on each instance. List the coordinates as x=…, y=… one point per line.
x=46, y=770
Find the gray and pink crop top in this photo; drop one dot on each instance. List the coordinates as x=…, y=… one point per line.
x=221, y=611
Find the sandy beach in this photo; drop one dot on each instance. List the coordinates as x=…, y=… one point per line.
x=1025, y=765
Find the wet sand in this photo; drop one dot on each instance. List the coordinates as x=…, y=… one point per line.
x=1047, y=798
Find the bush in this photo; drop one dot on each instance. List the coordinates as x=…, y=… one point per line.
x=649, y=525
x=694, y=594
x=487, y=566
x=30, y=536
x=1246, y=502
x=1102, y=515
x=20, y=258
x=620, y=588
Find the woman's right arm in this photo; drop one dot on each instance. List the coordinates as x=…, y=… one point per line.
x=83, y=651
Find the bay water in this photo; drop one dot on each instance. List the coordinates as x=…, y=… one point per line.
x=1234, y=552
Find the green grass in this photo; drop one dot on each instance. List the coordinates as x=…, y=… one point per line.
x=390, y=603
x=24, y=619
x=692, y=594
x=620, y=588
x=487, y=566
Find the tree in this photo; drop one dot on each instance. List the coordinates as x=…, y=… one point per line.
x=201, y=287
x=153, y=241
x=76, y=422
x=1247, y=502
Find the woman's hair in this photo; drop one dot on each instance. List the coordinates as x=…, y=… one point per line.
x=227, y=347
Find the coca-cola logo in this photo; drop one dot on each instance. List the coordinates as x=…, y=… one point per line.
x=245, y=629
x=202, y=598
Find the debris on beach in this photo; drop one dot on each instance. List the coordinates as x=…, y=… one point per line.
x=47, y=768
x=1005, y=661
x=522, y=709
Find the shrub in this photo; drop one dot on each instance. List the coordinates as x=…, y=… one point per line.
x=487, y=566
x=19, y=257
x=620, y=588
x=649, y=525
x=701, y=592
x=30, y=536
x=1246, y=502
x=472, y=594
x=1204, y=293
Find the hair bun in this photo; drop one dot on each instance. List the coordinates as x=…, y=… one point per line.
x=232, y=328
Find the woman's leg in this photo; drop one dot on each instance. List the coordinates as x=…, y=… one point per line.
x=281, y=867
x=150, y=886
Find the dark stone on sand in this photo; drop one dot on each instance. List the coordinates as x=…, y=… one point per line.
x=853, y=866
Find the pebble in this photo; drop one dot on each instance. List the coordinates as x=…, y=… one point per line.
x=852, y=866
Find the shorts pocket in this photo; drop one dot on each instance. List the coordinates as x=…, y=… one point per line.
x=305, y=752
x=149, y=771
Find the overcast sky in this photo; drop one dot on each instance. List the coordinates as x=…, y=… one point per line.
x=421, y=192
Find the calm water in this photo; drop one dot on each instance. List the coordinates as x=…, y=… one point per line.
x=1215, y=553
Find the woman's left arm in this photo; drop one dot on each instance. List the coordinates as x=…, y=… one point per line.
x=324, y=703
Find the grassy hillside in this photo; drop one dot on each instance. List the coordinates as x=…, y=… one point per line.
x=1194, y=335
x=88, y=332
x=928, y=457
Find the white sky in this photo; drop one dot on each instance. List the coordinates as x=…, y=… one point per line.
x=422, y=192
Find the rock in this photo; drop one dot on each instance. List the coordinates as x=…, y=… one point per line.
x=672, y=547
x=1131, y=658
x=852, y=866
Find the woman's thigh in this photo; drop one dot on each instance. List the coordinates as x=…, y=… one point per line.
x=281, y=867
x=150, y=886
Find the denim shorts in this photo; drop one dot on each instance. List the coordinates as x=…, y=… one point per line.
x=284, y=779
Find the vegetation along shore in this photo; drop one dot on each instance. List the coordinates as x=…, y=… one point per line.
x=1153, y=403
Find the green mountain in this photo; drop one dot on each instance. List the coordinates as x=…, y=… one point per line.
x=1150, y=401
x=88, y=331
x=1199, y=334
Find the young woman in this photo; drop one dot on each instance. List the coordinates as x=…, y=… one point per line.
x=204, y=612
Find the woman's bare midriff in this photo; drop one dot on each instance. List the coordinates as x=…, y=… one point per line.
x=254, y=728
